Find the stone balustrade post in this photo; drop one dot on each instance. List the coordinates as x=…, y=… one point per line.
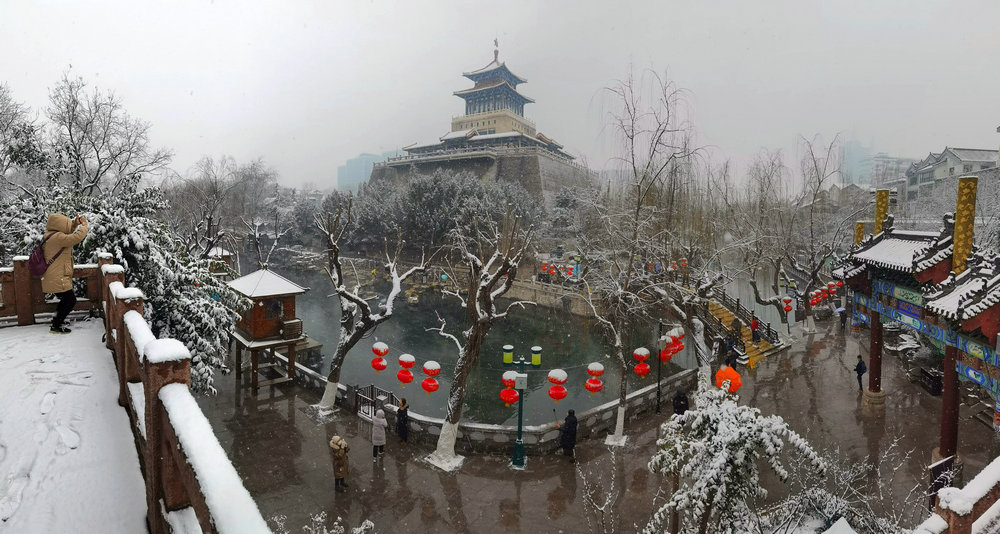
x=22, y=292
x=131, y=352
x=162, y=480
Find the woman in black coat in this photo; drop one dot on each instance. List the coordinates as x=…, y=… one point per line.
x=568, y=438
x=403, y=420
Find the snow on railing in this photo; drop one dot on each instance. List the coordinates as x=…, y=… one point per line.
x=189, y=479
x=21, y=296
x=969, y=509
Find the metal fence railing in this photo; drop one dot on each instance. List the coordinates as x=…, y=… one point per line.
x=745, y=314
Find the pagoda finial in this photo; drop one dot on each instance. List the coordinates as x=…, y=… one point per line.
x=496, y=50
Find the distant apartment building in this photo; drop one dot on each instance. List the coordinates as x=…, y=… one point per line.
x=922, y=176
x=356, y=171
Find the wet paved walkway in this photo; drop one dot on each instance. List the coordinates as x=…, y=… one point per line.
x=282, y=453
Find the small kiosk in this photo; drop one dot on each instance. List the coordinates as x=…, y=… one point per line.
x=269, y=325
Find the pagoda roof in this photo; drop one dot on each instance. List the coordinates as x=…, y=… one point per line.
x=494, y=84
x=494, y=67
x=265, y=283
x=894, y=250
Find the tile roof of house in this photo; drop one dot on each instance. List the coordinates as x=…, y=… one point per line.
x=265, y=283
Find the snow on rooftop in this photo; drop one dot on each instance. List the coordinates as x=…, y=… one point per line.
x=481, y=137
x=219, y=252
x=893, y=253
x=70, y=462
x=975, y=290
x=232, y=508
x=265, y=283
x=461, y=134
x=840, y=527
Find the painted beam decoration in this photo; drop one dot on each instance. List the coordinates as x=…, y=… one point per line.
x=965, y=215
x=859, y=232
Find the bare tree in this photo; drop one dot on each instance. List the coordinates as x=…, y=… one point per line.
x=13, y=117
x=198, y=204
x=357, y=318
x=104, y=144
x=259, y=237
x=490, y=255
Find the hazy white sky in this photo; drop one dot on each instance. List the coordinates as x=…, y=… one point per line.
x=309, y=84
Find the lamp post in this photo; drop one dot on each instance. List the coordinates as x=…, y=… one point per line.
x=517, y=459
x=660, y=345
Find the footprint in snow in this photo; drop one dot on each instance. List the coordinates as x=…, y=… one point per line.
x=68, y=436
x=3, y=452
x=82, y=378
x=48, y=402
x=11, y=500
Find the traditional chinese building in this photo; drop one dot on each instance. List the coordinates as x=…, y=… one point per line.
x=493, y=140
x=933, y=283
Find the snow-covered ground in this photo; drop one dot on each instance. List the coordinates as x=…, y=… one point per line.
x=67, y=458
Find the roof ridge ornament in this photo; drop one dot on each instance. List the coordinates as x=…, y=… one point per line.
x=496, y=50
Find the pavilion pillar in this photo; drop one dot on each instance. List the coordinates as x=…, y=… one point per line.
x=874, y=397
x=948, y=444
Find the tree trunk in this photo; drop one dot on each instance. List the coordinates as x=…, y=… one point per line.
x=333, y=379
x=470, y=356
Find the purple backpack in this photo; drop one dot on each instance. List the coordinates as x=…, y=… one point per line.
x=37, y=264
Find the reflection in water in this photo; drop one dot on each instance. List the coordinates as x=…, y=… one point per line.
x=569, y=342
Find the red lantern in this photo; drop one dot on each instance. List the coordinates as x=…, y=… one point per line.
x=641, y=354
x=595, y=369
x=552, y=270
x=380, y=349
x=642, y=369
x=379, y=364
x=508, y=378
x=569, y=271
x=787, y=300
x=788, y=308
x=545, y=265
x=432, y=368
x=558, y=377
x=833, y=291
x=557, y=393
x=430, y=385
x=407, y=361
x=593, y=385
x=665, y=354
x=509, y=396
x=404, y=376
x=673, y=266
x=839, y=283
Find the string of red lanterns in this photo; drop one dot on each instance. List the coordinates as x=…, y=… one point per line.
x=558, y=391
x=594, y=384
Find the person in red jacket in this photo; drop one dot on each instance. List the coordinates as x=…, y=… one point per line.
x=754, y=326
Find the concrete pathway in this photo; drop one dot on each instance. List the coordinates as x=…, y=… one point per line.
x=282, y=454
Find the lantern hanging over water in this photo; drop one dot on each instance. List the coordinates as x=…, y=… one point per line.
x=380, y=349
x=508, y=379
x=407, y=361
x=595, y=369
x=379, y=364
x=557, y=393
x=787, y=300
x=593, y=385
x=641, y=354
x=642, y=369
x=404, y=376
x=432, y=368
x=558, y=377
x=430, y=385
x=509, y=396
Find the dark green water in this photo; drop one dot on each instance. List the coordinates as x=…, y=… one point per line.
x=568, y=342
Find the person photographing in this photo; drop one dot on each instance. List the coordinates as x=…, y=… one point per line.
x=61, y=234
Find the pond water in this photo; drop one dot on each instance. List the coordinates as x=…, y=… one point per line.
x=568, y=342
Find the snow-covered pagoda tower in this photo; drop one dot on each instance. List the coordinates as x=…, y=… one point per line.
x=493, y=140
x=493, y=105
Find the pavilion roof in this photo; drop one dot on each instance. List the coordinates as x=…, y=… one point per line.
x=500, y=68
x=893, y=250
x=265, y=283
x=496, y=84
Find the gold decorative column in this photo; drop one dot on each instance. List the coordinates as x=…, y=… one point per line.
x=965, y=218
x=881, y=208
x=859, y=232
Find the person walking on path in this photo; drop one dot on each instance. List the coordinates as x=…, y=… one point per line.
x=378, y=435
x=403, y=420
x=861, y=369
x=737, y=328
x=61, y=233
x=680, y=402
x=567, y=439
x=843, y=320
x=754, y=326
x=341, y=467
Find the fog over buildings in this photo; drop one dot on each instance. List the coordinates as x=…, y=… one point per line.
x=310, y=85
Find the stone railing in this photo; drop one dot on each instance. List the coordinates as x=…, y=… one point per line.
x=190, y=482
x=21, y=293
x=969, y=510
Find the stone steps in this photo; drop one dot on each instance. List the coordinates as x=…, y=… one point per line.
x=755, y=352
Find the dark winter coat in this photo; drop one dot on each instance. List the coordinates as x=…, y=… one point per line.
x=680, y=403
x=339, y=452
x=860, y=368
x=568, y=438
x=403, y=423
x=378, y=428
x=736, y=327
x=843, y=318
x=59, y=276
